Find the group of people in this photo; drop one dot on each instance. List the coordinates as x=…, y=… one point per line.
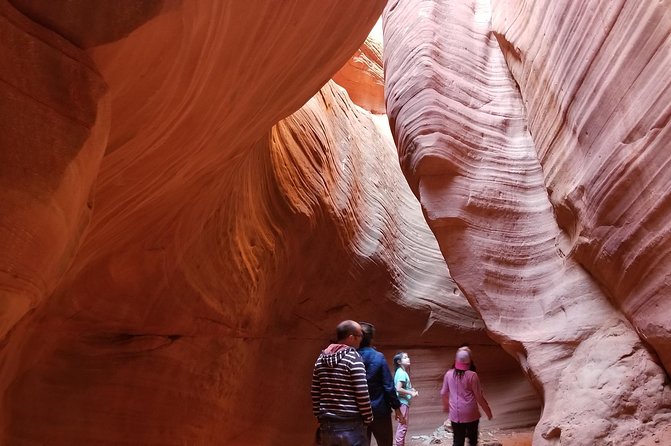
x=354, y=394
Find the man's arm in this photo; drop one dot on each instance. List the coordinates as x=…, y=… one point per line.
x=315, y=392
x=360, y=386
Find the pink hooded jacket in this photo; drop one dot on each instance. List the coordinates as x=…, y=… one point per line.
x=461, y=397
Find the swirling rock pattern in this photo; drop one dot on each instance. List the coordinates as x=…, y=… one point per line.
x=535, y=135
x=222, y=247
x=129, y=346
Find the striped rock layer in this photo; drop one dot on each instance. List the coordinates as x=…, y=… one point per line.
x=536, y=137
x=188, y=209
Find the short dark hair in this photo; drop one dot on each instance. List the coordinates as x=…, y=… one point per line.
x=368, y=331
x=346, y=328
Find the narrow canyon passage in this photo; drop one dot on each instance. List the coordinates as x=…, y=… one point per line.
x=194, y=193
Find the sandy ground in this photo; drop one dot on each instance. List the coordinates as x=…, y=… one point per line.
x=443, y=436
x=516, y=438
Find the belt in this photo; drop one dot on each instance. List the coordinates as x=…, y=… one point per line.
x=342, y=423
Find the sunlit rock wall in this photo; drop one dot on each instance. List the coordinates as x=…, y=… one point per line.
x=363, y=75
x=150, y=335
x=536, y=136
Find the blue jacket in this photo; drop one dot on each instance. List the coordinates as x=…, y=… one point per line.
x=381, y=388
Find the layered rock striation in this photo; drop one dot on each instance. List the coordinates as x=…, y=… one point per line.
x=175, y=257
x=535, y=135
x=189, y=206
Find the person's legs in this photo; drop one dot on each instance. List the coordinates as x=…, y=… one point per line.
x=402, y=429
x=382, y=430
x=472, y=432
x=458, y=434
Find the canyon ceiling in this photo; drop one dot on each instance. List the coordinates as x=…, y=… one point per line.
x=193, y=194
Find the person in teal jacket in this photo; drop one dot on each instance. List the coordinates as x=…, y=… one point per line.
x=405, y=393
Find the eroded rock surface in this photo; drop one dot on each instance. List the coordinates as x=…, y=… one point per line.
x=181, y=230
x=223, y=246
x=363, y=75
x=54, y=121
x=534, y=136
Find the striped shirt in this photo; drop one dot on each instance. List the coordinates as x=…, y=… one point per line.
x=339, y=389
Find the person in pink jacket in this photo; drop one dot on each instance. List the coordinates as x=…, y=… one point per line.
x=461, y=393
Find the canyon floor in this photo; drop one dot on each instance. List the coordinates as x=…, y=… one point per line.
x=487, y=438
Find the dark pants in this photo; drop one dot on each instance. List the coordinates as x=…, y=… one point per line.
x=343, y=433
x=462, y=431
x=382, y=430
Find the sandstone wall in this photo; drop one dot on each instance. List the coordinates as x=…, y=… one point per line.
x=174, y=258
x=189, y=207
x=535, y=134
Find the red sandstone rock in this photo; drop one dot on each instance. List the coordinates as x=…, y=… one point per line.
x=54, y=120
x=222, y=248
x=363, y=75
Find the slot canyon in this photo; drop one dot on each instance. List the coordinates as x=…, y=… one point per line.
x=195, y=192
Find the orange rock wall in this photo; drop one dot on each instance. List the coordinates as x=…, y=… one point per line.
x=189, y=207
x=46, y=177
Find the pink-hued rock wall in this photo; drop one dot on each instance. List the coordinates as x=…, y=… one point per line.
x=535, y=135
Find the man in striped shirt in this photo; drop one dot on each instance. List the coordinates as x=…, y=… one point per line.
x=339, y=391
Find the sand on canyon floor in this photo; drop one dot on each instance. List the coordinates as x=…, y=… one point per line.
x=443, y=436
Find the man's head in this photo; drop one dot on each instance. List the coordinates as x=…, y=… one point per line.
x=349, y=333
x=368, y=330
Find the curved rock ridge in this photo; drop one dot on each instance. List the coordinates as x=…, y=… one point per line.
x=476, y=151
x=611, y=105
x=52, y=84
x=325, y=170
